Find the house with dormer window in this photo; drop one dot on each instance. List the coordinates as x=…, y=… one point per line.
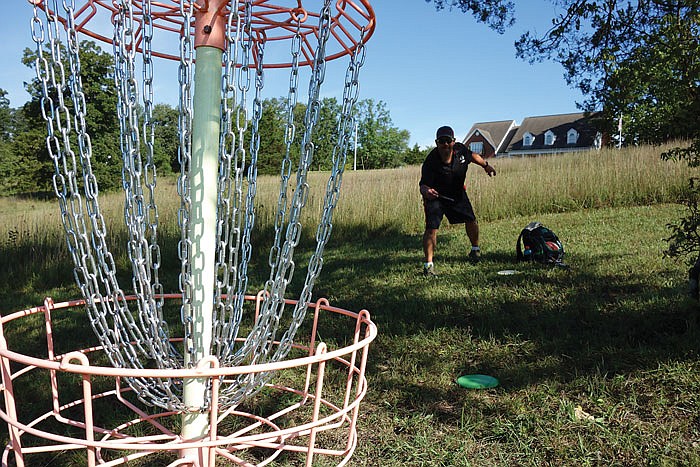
x=555, y=134
x=549, y=134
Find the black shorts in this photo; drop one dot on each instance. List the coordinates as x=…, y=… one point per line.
x=457, y=212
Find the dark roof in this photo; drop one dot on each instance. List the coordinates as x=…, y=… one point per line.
x=509, y=138
x=494, y=132
x=560, y=124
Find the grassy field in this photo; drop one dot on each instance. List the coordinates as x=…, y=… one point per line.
x=598, y=364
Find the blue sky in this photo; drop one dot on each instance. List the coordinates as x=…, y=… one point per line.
x=430, y=68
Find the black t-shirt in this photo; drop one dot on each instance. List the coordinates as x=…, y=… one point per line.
x=447, y=179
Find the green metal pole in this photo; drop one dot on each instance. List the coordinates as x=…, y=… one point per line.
x=203, y=180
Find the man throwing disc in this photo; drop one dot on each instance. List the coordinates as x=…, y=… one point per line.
x=444, y=194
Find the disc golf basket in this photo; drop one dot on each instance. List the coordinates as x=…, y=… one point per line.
x=247, y=381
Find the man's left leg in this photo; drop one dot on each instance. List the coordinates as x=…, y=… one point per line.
x=472, y=228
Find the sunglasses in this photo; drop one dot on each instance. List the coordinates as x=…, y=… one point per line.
x=444, y=140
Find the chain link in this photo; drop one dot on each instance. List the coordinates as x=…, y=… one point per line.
x=152, y=217
x=64, y=110
x=286, y=167
x=152, y=340
x=259, y=343
x=185, y=77
x=239, y=264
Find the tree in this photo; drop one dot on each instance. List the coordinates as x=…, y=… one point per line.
x=101, y=121
x=27, y=173
x=685, y=234
x=166, y=140
x=8, y=162
x=325, y=133
x=638, y=58
x=19, y=168
x=415, y=155
x=381, y=144
x=271, y=130
x=497, y=14
x=5, y=117
x=656, y=87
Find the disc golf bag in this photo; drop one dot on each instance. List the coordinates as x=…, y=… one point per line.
x=539, y=244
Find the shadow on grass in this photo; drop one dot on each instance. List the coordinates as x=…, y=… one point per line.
x=578, y=315
x=572, y=321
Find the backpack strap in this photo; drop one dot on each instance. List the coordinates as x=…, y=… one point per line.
x=518, y=249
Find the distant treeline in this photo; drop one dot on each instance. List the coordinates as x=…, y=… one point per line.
x=27, y=165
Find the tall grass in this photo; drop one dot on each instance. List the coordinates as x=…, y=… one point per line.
x=384, y=199
x=389, y=198
x=31, y=235
x=607, y=178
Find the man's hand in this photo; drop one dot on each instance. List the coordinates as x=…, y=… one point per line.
x=429, y=193
x=490, y=170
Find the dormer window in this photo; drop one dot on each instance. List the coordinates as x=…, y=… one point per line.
x=549, y=138
x=477, y=147
x=527, y=139
x=571, y=136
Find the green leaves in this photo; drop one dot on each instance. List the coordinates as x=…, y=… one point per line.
x=637, y=58
x=497, y=14
x=379, y=145
x=684, y=240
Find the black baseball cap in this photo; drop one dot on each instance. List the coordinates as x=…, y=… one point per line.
x=445, y=131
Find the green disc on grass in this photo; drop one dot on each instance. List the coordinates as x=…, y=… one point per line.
x=477, y=381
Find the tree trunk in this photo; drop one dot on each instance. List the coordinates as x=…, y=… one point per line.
x=694, y=276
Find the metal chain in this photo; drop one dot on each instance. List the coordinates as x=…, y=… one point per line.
x=344, y=130
x=152, y=339
x=148, y=336
x=294, y=229
x=230, y=309
x=244, y=73
x=185, y=77
x=226, y=241
x=94, y=270
x=286, y=167
x=150, y=173
x=132, y=171
x=90, y=272
x=252, y=176
x=259, y=343
x=238, y=252
x=237, y=262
